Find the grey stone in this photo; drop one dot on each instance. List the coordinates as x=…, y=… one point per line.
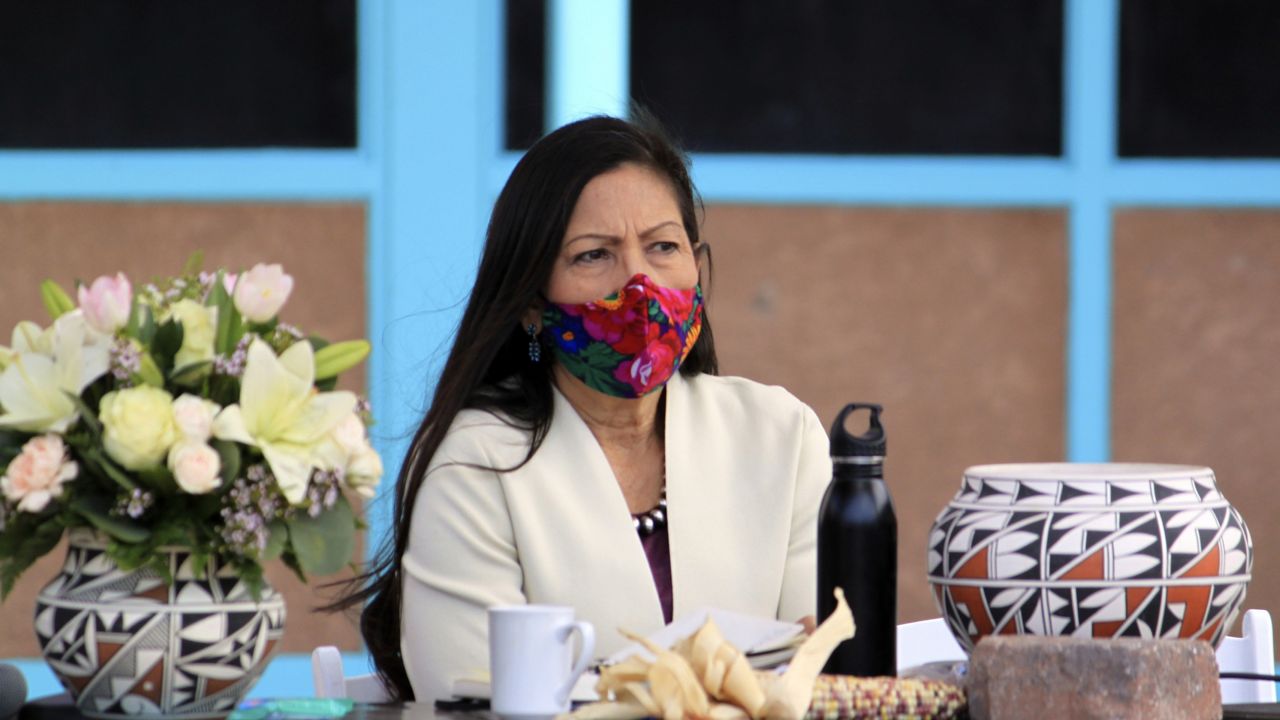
x=1018, y=677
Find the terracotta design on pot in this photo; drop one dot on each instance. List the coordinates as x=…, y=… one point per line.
x=1103, y=550
x=126, y=644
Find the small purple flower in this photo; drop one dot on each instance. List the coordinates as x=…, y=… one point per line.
x=248, y=509
x=322, y=493
x=233, y=365
x=125, y=361
x=135, y=504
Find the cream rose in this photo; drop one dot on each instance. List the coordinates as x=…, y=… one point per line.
x=199, y=325
x=195, y=466
x=138, y=426
x=193, y=416
x=35, y=477
x=361, y=464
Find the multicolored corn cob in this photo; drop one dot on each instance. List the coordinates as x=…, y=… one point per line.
x=855, y=698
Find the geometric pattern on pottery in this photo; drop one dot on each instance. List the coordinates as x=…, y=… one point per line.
x=1159, y=558
x=127, y=643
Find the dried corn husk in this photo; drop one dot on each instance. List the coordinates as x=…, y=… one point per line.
x=682, y=682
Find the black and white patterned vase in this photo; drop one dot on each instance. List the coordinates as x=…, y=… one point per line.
x=127, y=644
x=1089, y=550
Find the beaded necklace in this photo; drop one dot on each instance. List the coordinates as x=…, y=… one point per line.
x=652, y=520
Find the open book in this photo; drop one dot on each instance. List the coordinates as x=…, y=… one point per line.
x=766, y=643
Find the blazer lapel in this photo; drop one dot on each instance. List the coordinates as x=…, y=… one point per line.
x=695, y=505
x=615, y=580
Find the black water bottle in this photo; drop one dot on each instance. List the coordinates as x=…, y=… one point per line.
x=858, y=549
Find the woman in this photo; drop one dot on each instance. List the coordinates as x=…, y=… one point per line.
x=564, y=460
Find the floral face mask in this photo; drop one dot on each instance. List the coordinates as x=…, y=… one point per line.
x=631, y=342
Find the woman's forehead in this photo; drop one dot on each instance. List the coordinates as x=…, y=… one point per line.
x=631, y=197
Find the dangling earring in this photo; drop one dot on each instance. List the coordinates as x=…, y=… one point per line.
x=535, y=348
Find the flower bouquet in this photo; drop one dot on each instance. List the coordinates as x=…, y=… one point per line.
x=185, y=436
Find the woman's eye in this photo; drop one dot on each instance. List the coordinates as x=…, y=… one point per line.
x=591, y=256
x=666, y=246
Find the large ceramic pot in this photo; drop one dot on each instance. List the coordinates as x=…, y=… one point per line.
x=1089, y=550
x=128, y=644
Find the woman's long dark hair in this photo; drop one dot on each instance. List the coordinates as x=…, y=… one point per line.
x=523, y=240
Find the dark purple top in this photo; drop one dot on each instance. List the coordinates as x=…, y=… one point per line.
x=657, y=547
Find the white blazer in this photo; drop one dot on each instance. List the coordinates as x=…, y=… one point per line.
x=746, y=468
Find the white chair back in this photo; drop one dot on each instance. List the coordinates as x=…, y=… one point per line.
x=926, y=641
x=1254, y=652
x=331, y=682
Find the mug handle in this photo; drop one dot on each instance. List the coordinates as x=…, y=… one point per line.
x=588, y=634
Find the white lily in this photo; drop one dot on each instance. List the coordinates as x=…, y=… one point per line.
x=281, y=414
x=43, y=366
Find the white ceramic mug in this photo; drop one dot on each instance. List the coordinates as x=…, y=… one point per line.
x=531, y=667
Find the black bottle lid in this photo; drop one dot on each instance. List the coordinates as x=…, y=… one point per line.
x=867, y=445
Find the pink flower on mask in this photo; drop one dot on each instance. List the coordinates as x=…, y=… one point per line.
x=651, y=369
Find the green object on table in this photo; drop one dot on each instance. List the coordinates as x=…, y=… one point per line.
x=292, y=709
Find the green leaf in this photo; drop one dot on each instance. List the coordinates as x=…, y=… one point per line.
x=194, y=263
x=167, y=343
x=148, y=371
x=135, y=318
x=97, y=511
x=108, y=468
x=595, y=366
x=229, y=457
x=199, y=562
x=26, y=538
x=230, y=325
x=332, y=360
x=158, y=478
x=324, y=544
x=146, y=325
x=56, y=300
x=291, y=561
x=191, y=373
x=251, y=576
x=276, y=541
x=86, y=413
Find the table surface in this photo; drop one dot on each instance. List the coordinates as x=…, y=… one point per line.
x=59, y=707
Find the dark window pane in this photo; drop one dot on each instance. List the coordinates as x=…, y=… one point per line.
x=194, y=73
x=836, y=76
x=1198, y=78
x=526, y=63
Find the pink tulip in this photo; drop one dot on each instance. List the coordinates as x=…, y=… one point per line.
x=261, y=292
x=107, y=302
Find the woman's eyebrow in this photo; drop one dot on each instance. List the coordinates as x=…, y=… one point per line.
x=658, y=227
x=593, y=236
x=617, y=239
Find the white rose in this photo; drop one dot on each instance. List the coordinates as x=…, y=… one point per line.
x=361, y=464
x=199, y=325
x=137, y=426
x=350, y=434
x=363, y=473
x=195, y=466
x=194, y=417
